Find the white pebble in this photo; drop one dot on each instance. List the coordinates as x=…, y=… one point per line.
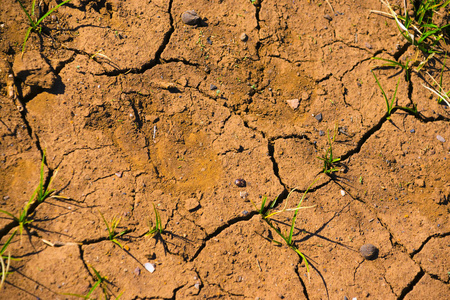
x=440, y=138
x=150, y=267
x=342, y=192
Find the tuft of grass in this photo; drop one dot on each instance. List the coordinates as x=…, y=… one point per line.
x=102, y=282
x=390, y=107
x=34, y=22
x=157, y=228
x=22, y=219
x=288, y=236
x=419, y=29
x=111, y=227
x=329, y=161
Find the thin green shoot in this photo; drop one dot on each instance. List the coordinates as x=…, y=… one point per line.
x=329, y=161
x=42, y=191
x=390, y=107
x=393, y=63
x=288, y=238
x=389, y=104
x=111, y=227
x=34, y=23
x=102, y=281
x=22, y=219
x=157, y=228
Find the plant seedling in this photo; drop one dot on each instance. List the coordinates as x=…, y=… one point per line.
x=157, y=228
x=287, y=238
x=102, y=282
x=22, y=219
x=111, y=227
x=390, y=104
x=329, y=161
x=35, y=24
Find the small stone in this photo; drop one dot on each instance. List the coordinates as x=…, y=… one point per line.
x=243, y=195
x=243, y=37
x=244, y=213
x=197, y=286
x=369, y=251
x=328, y=17
x=419, y=182
x=150, y=267
x=342, y=193
x=318, y=117
x=440, y=138
x=412, y=131
x=191, y=204
x=240, y=182
x=119, y=174
x=368, y=46
x=321, y=133
x=6, y=198
x=190, y=17
x=137, y=271
x=212, y=87
x=293, y=103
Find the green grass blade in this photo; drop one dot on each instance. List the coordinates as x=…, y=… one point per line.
x=27, y=35
x=291, y=232
x=382, y=91
x=9, y=214
x=30, y=19
x=7, y=243
x=50, y=11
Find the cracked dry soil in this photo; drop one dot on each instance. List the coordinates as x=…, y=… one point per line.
x=135, y=108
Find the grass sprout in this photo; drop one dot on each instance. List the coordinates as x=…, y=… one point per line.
x=34, y=22
x=111, y=227
x=157, y=228
x=390, y=107
x=288, y=236
x=102, y=282
x=329, y=162
x=22, y=219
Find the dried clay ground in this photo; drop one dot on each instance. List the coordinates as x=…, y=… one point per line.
x=134, y=108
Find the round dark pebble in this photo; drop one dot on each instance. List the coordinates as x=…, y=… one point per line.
x=240, y=182
x=369, y=251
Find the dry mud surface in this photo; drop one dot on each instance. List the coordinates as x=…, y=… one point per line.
x=134, y=108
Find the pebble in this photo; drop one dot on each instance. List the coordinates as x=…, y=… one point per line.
x=293, y=103
x=240, y=182
x=328, y=17
x=244, y=213
x=321, y=133
x=368, y=46
x=243, y=37
x=243, y=195
x=318, y=117
x=150, y=267
x=137, y=271
x=440, y=138
x=190, y=17
x=369, y=251
x=212, y=87
x=342, y=193
x=412, y=130
x=119, y=174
